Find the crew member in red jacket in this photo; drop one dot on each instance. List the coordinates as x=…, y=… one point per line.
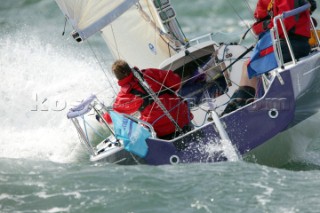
x=298, y=29
x=132, y=98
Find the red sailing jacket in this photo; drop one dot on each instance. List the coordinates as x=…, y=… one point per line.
x=127, y=102
x=261, y=14
x=298, y=25
x=261, y=11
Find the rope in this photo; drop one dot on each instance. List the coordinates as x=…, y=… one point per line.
x=248, y=6
x=154, y=97
x=65, y=24
x=115, y=40
x=185, y=38
x=99, y=134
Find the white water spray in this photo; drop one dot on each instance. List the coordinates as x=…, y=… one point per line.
x=40, y=82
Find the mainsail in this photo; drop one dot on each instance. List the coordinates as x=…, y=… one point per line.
x=144, y=33
x=88, y=17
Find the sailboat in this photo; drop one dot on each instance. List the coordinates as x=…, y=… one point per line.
x=146, y=33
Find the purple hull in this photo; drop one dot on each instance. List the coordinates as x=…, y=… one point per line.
x=247, y=128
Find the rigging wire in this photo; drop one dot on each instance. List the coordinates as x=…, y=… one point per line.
x=180, y=28
x=248, y=6
x=148, y=89
x=237, y=13
x=115, y=41
x=65, y=25
x=101, y=67
x=165, y=88
x=254, y=20
x=173, y=33
x=153, y=79
x=194, y=59
x=111, y=83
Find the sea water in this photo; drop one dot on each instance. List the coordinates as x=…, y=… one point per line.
x=43, y=168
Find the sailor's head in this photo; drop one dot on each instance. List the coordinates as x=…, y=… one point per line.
x=121, y=69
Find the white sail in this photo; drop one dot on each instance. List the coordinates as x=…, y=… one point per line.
x=139, y=36
x=89, y=16
x=144, y=33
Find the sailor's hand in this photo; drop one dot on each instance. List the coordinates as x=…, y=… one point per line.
x=261, y=26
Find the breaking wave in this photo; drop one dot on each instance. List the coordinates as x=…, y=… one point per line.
x=41, y=81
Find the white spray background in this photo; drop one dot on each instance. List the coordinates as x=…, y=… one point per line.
x=40, y=82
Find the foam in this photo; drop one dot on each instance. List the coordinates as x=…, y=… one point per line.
x=40, y=82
